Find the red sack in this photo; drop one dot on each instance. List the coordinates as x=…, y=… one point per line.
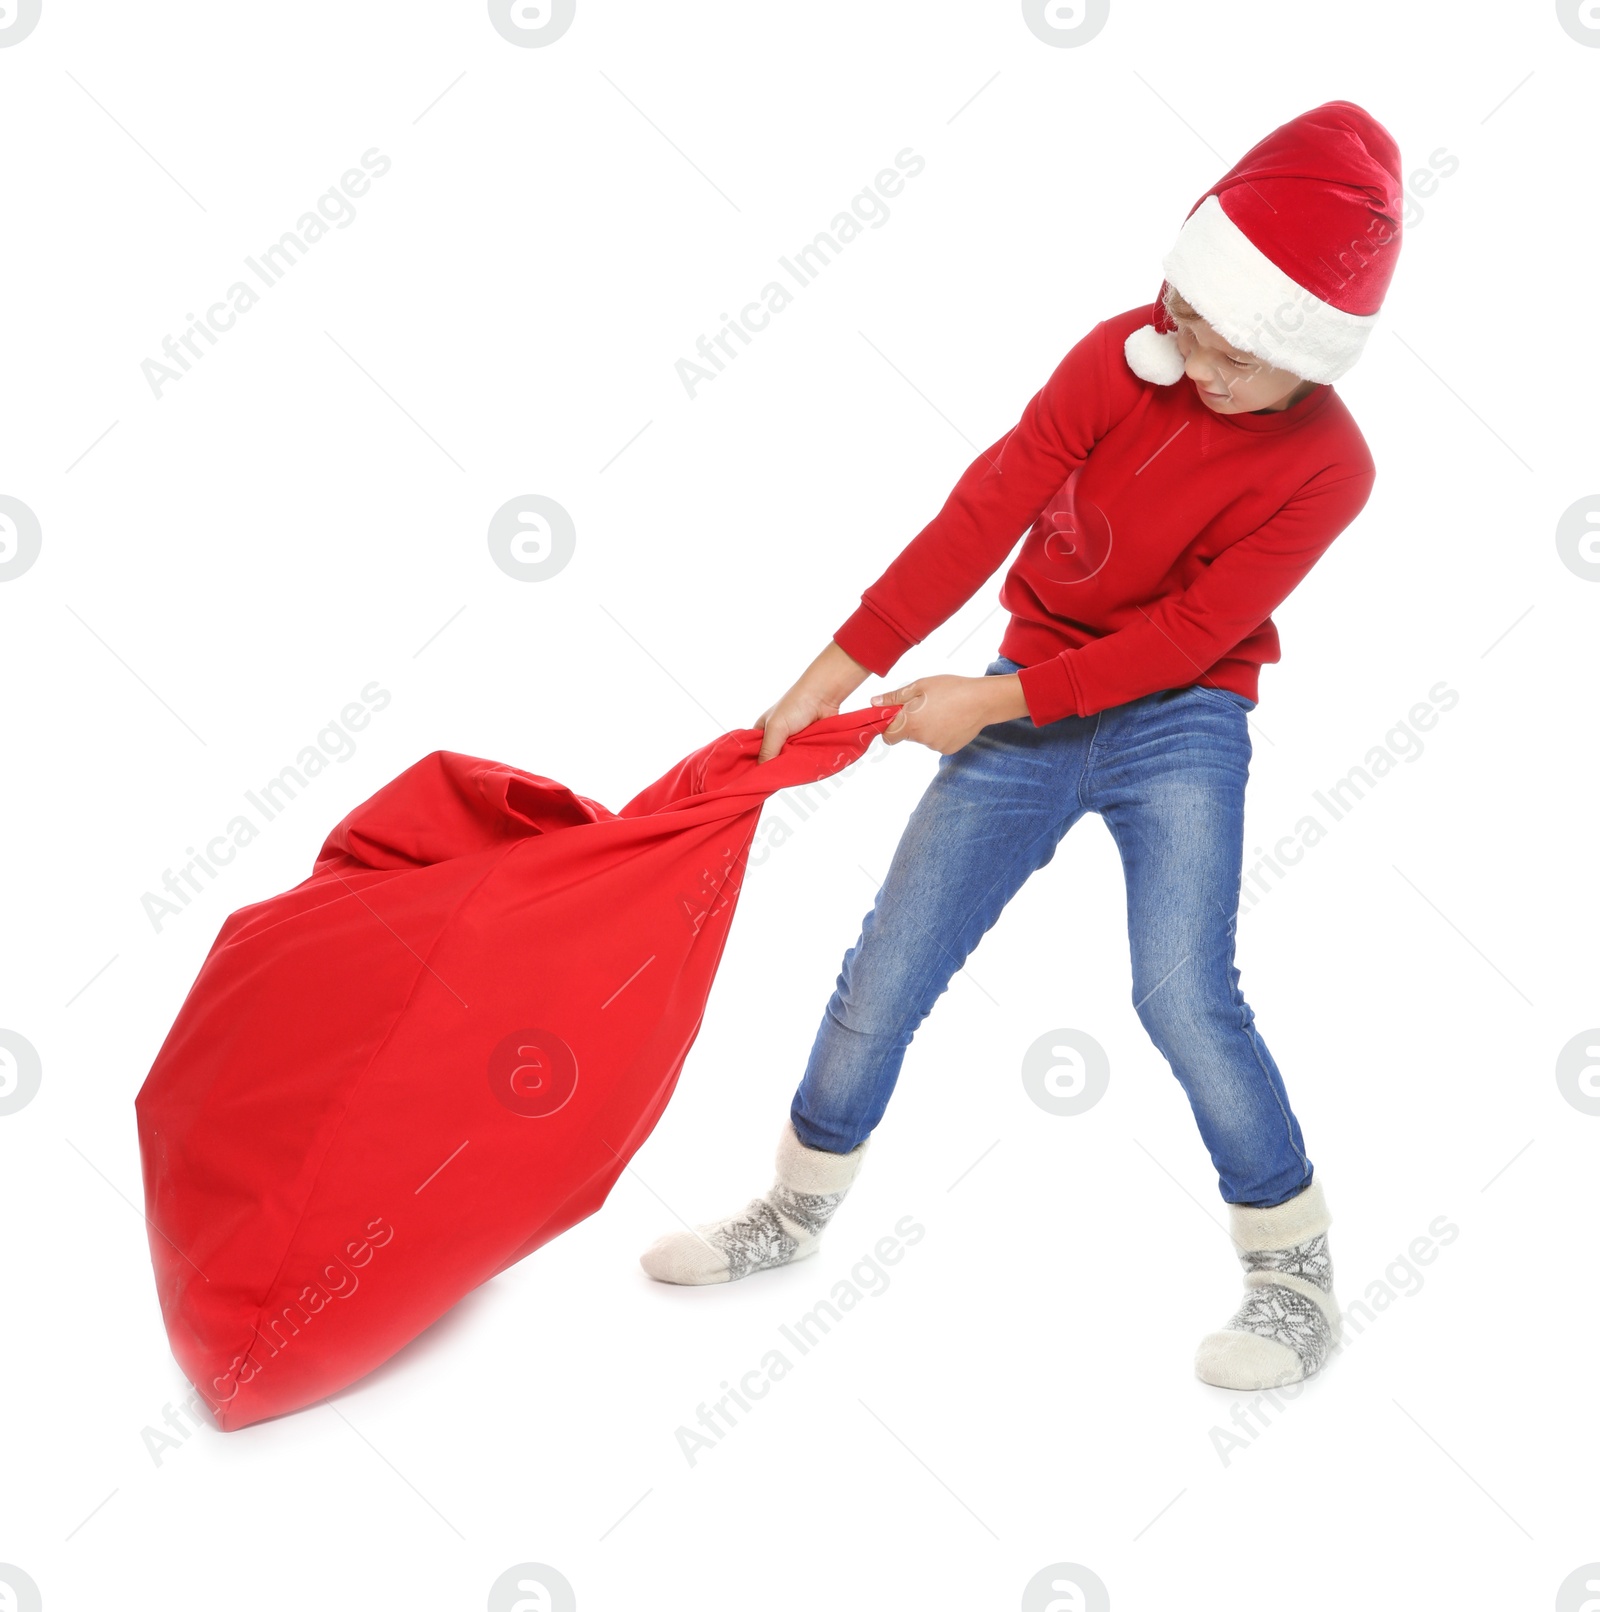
x=437, y=1053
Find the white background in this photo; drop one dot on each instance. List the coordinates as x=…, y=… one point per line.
x=222, y=569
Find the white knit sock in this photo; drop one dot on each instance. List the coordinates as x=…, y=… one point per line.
x=783, y=1225
x=1289, y=1321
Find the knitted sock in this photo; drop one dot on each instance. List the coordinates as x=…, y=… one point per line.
x=783, y=1225
x=1289, y=1321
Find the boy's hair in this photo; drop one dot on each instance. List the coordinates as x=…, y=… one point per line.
x=1177, y=304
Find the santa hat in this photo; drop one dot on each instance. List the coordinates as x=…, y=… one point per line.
x=1289, y=254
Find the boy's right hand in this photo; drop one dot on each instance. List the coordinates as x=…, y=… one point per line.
x=830, y=679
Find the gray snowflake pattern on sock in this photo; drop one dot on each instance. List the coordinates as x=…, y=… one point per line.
x=812, y=1210
x=1287, y=1317
x=756, y=1241
x=1310, y=1260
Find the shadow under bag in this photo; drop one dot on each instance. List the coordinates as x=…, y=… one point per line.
x=439, y=1051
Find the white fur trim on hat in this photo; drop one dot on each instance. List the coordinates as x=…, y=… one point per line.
x=1248, y=300
x=1153, y=355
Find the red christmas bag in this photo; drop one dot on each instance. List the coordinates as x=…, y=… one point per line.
x=400, y=1077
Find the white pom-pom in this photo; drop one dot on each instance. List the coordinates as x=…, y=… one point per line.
x=1153, y=356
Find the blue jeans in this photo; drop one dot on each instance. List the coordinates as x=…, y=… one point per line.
x=1167, y=773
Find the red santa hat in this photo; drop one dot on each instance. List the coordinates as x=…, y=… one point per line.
x=1289, y=254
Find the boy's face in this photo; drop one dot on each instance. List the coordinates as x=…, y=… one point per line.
x=1230, y=380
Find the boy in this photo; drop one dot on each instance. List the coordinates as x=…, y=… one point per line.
x=1177, y=478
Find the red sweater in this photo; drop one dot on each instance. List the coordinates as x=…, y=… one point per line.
x=1160, y=536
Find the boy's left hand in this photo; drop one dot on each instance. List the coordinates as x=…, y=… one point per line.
x=944, y=713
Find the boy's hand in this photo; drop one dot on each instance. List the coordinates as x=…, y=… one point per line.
x=944, y=713
x=831, y=678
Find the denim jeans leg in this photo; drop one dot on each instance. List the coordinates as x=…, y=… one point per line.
x=993, y=814
x=1170, y=783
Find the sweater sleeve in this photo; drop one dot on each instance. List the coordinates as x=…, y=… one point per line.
x=997, y=499
x=1172, y=642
